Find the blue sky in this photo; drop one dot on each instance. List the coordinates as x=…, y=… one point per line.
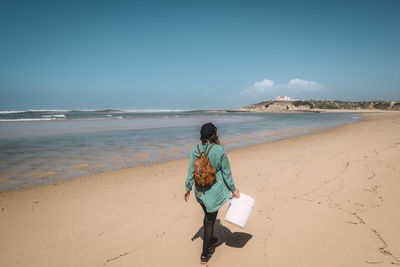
x=195, y=54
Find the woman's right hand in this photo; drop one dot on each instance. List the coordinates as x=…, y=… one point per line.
x=236, y=194
x=187, y=195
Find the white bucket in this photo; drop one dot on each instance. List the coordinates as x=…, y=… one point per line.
x=239, y=209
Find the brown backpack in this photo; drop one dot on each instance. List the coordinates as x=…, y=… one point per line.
x=204, y=173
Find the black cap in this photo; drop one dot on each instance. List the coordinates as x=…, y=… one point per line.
x=207, y=130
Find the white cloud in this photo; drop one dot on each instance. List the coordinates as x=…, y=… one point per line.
x=264, y=83
x=303, y=85
x=293, y=87
x=260, y=88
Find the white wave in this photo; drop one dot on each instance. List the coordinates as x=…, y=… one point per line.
x=11, y=111
x=48, y=110
x=33, y=110
x=54, y=116
x=31, y=119
x=108, y=115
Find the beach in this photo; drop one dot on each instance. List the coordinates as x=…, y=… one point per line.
x=328, y=198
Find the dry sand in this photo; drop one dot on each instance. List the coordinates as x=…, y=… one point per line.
x=324, y=199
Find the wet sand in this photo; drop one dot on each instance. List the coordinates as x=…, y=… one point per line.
x=323, y=199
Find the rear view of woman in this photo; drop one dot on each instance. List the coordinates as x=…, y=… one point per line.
x=210, y=197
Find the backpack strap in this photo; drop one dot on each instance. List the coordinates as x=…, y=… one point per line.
x=209, y=150
x=200, y=153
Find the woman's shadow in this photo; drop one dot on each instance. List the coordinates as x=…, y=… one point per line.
x=224, y=235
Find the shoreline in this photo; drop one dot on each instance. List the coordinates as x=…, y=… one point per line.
x=326, y=199
x=150, y=164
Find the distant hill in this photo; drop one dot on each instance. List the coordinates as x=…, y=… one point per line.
x=315, y=105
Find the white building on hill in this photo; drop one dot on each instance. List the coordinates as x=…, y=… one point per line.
x=283, y=97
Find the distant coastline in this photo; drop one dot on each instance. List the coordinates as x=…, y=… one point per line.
x=322, y=106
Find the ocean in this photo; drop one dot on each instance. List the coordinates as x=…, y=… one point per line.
x=48, y=146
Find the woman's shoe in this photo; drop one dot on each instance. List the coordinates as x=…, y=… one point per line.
x=205, y=258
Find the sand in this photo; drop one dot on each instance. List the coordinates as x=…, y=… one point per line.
x=324, y=199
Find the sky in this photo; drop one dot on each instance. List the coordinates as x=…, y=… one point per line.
x=195, y=54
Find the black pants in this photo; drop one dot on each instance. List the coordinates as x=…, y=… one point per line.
x=208, y=225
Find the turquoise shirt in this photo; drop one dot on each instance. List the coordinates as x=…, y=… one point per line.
x=215, y=196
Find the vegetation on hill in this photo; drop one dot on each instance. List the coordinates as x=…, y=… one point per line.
x=309, y=105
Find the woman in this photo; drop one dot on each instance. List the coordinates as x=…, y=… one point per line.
x=211, y=198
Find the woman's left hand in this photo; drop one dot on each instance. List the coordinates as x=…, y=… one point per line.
x=187, y=194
